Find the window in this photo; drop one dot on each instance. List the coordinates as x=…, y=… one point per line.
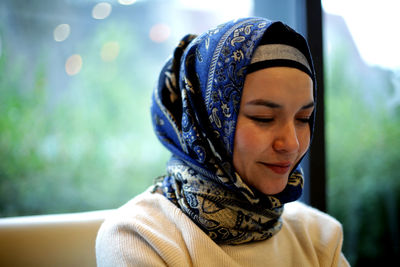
x=362, y=88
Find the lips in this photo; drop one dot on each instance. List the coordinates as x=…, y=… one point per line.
x=279, y=168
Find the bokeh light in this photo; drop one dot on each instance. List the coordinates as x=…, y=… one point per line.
x=126, y=2
x=159, y=33
x=73, y=65
x=109, y=51
x=101, y=10
x=61, y=32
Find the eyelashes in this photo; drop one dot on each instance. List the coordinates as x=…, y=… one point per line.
x=305, y=120
x=262, y=120
x=270, y=120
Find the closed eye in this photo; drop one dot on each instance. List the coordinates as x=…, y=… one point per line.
x=261, y=119
x=304, y=120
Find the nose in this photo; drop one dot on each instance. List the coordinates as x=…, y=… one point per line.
x=286, y=140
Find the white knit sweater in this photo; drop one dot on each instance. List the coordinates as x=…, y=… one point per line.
x=151, y=231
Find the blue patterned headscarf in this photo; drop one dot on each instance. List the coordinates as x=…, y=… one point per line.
x=194, y=112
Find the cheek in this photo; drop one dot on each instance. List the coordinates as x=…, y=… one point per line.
x=242, y=147
x=304, y=141
x=249, y=145
x=245, y=141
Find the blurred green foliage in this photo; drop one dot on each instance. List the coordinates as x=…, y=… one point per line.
x=363, y=131
x=88, y=145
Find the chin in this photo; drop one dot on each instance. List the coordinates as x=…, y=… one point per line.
x=272, y=189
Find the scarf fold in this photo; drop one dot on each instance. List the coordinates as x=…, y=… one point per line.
x=194, y=112
x=223, y=214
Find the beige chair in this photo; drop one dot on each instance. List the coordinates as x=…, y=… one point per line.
x=50, y=240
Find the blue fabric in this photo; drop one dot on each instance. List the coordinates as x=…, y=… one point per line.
x=194, y=112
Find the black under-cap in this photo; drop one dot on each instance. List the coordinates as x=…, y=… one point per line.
x=281, y=46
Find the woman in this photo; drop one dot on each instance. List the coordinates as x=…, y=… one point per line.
x=235, y=106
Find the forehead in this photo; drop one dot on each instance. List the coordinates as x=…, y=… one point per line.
x=278, y=83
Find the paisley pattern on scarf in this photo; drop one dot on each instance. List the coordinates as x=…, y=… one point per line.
x=194, y=112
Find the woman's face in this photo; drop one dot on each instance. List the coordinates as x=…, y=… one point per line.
x=272, y=131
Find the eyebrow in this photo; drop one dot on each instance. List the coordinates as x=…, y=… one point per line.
x=270, y=104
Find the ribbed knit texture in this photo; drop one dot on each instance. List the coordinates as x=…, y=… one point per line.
x=151, y=231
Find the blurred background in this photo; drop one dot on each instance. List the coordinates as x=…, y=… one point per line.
x=76, y=78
